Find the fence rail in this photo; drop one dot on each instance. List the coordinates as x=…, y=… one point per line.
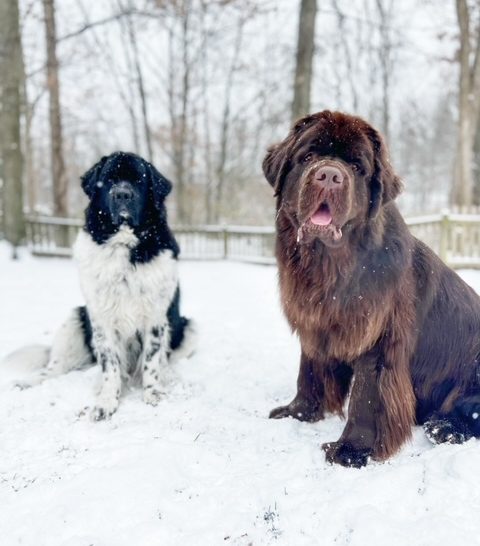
x=454, y=236
x=48, y=236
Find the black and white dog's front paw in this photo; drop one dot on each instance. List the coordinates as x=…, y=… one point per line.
x=104, y=409
x=152, y=395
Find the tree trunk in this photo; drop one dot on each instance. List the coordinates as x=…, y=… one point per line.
x=139, y=79
x=344, y=35
x=59, y=178
x=206, y=120
x=476, y=168
x=11, y=72
x=476, y=123
x=468, y=107
x=384, y=52
x=225, y=126
x=304, y=59
x=178, y=108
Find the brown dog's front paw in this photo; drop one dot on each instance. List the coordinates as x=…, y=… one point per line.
x=300, y=409
x=345, y=454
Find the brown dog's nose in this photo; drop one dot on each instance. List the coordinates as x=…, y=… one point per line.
x=329, y=176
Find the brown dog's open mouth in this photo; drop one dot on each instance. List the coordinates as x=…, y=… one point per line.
x=323, y=216
x=320, y=224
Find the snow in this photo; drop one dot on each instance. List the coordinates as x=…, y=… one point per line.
x=206, y=466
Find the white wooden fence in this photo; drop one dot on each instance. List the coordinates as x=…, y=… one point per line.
x=454, y=236
x=48, y=236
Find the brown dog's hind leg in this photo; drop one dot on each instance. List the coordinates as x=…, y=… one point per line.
x=458, y=425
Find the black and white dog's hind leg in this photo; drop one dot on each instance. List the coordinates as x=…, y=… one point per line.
x=183, y=331
x=109, y=353
x=70, y=350
x=71, y=347
x=153, y=361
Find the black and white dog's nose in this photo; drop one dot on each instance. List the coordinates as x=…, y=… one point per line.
x=122, y=193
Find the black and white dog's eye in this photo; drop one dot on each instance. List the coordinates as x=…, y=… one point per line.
x=307, y=158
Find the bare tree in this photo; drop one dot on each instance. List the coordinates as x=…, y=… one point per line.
x=468, y=104
x=347, y=54
x=209, y=216
x=102, y=43
x=225, y=125
x=304, y=59
x=385, y=11
x=29, y=107
x=11, y=82
x=132, y=36
x=59, y=178
x=179, y=99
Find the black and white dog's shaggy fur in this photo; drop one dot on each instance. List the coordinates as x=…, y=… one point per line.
x=127, y=262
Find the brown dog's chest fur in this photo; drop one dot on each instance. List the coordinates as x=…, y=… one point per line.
x=320, y=319
x=331, y=299
x=322, y=327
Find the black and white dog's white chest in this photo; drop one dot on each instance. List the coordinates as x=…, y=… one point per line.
x=129, y=297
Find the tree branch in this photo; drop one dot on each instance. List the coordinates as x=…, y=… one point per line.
x=106, y=20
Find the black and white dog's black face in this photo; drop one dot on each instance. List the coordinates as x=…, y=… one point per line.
x=124, y=189
x=125, y=200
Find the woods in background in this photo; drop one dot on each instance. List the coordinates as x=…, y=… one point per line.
x=202, y=87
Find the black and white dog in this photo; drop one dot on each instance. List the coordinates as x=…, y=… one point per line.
x=127, y=262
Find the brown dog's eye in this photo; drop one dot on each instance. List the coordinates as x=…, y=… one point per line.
x=358, y=168
x=307, y=157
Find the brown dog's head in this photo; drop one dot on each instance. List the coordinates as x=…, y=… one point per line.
x=332, y=171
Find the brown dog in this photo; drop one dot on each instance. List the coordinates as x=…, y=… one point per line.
x=377, y=312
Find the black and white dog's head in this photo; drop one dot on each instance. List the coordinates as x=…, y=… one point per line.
x=124, y=188
x=127, y=192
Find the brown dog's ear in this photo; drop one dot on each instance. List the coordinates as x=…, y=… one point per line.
x=385, y=185
x=276, y=164
x=272, y=164
x=277, y=161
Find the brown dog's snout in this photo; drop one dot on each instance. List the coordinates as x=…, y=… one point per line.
x=329, y=176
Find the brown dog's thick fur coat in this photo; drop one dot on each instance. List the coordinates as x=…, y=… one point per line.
x=378, y=314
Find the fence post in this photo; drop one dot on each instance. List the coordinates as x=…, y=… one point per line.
x=225, y=242
x=444, y=235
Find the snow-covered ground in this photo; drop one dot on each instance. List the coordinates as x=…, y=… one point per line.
x=205, y=467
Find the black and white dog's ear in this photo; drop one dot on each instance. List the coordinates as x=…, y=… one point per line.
x=90, y=180
x=161, y=186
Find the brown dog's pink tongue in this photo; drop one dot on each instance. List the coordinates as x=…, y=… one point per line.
x=322, y=217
